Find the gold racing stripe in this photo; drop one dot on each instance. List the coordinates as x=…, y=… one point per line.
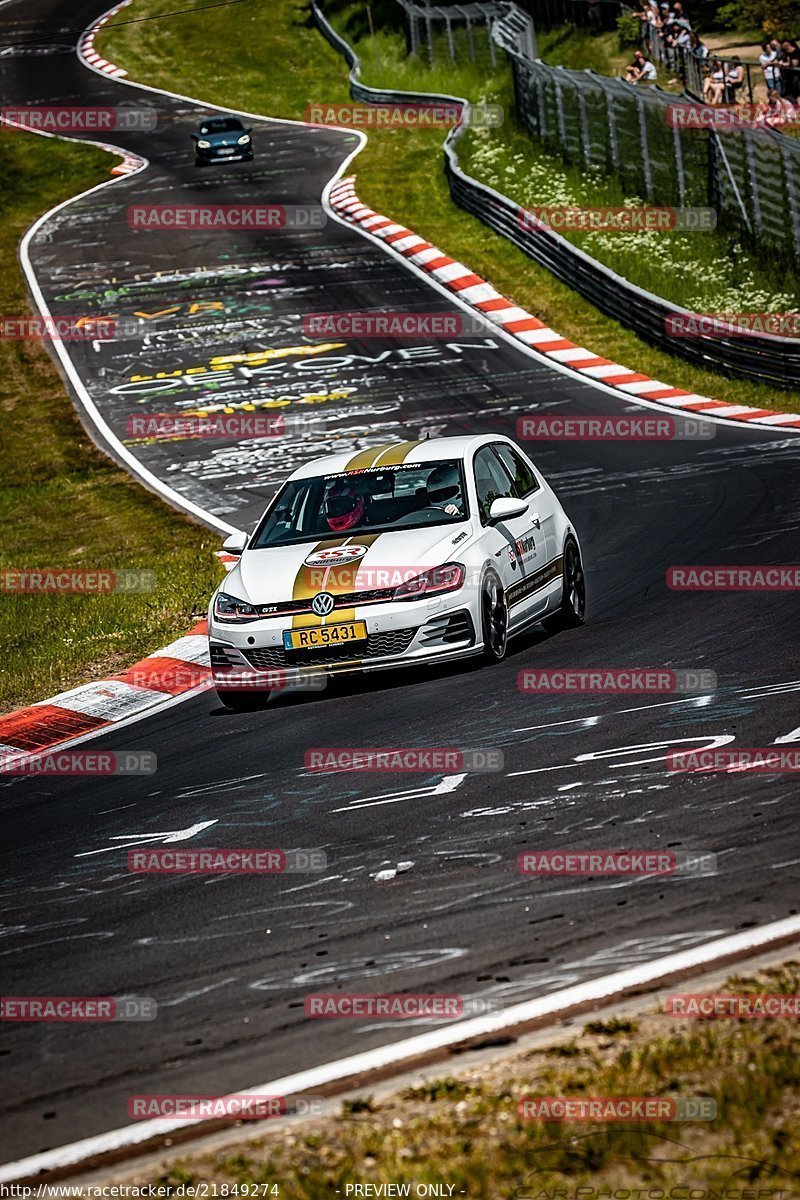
x=336, y=579
x=395, y=454
x=384, y=456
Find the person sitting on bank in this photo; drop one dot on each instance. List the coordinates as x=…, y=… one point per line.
x=714, y=84
x=640, y=70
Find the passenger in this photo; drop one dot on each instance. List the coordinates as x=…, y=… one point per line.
x=443, y=487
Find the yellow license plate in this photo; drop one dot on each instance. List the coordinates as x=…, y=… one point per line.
x=324, y=635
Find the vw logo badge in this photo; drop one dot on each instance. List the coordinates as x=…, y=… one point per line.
x=322, y=604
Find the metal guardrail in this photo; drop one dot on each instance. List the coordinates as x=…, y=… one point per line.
x=763, y=358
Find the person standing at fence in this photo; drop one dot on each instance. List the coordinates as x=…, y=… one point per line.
x=595, y=17
x=777, y=50
x=680, y=16
x=664, y=16
x=792, y=90
x=768, y=61
x=678, y=37
x=790, y=70
x=697, y=48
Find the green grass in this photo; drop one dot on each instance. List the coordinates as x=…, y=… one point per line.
x=704, y=271
x=64, y=504
x=278, y=65
x=465, y=1131
x=566, y=46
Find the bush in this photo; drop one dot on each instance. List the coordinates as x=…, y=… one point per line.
x=628, y=30
x=781, y=18
x=777, y=18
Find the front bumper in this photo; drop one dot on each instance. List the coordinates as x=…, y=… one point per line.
x=400, y=635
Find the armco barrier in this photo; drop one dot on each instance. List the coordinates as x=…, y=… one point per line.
x=764, y=358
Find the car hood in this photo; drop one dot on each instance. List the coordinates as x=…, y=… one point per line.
x=230, y=138
x=375, y=560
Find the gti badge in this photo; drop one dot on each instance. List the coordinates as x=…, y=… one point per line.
x=322, y=604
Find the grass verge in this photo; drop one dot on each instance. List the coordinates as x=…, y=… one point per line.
x=64, y=504
x=278, y=64
x=463, y=1130
x=568, y=46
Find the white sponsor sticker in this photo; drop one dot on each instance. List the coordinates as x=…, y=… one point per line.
x=336, y=556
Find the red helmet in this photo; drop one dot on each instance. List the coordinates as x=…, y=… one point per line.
x=344, y=506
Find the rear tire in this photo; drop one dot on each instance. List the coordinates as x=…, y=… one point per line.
x=572, y=611
x=494, y=619
x=243, y=701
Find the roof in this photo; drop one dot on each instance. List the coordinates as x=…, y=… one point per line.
x=392, y=453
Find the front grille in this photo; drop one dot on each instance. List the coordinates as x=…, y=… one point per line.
x=271, y=656
x=396, y=641
x=379, y=645
x=285, y=608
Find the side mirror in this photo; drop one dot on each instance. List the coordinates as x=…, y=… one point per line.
x=235, y=543
x=507, y=507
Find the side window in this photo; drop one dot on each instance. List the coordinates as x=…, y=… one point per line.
x=491, y=481
x=524, y=479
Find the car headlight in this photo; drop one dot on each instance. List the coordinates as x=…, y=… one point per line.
x=228, y=608
x=448, y=578
x=244, y=139
x=204, y=145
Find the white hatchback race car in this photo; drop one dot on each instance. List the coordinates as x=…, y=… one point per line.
x=408, y=554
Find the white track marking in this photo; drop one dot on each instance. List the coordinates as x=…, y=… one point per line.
x=638, y=977
x=447, y=784
x=602, y=756
x=794, y=736
x=138, y=839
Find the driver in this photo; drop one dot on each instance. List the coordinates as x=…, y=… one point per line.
x=343, y=506
x=443, y=486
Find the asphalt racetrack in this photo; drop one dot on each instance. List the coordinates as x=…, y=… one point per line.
x=230, y=959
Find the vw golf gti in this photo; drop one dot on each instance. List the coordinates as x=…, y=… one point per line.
x=400, y=555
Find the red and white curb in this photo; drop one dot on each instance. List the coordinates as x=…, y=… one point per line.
x=86, y=44
x=175, y=670
x=537, y=336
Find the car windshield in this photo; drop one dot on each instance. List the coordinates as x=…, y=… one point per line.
x=222, y=125
x=375, y=500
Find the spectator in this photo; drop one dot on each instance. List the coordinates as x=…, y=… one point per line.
x=734, y=80
x=768, y=60
x=681, y=37
x=791, y=78
x=648, y=13
x=697, y=48
x=641, y=70
x=664, y=15
x=595, y=17
x=680, y=16
x=714, y=85
x=677, y=41
x=777, y=50
x=776, y=111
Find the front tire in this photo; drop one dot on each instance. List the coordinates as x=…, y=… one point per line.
x=572, y=610
x=242, y=701
x=494, y=619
